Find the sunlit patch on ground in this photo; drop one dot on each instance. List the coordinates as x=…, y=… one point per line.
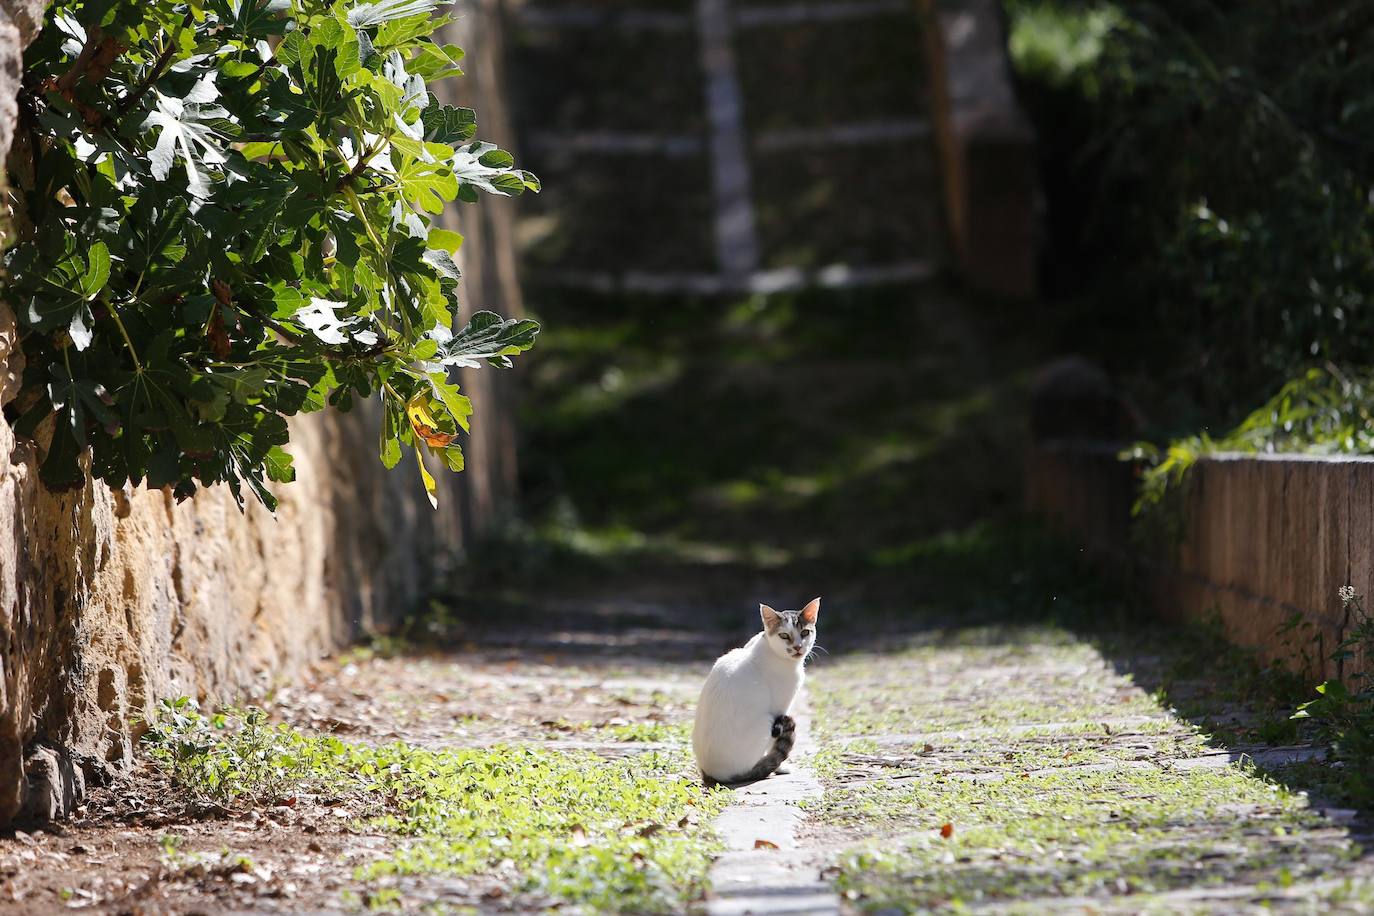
x=1020, y=767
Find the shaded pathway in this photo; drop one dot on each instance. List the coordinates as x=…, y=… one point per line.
x=686, y=464
x=998, y=766
x=866, y=449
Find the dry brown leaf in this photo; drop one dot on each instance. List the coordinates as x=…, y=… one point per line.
x=218, y=336
x=423, y=422
x=765, y=844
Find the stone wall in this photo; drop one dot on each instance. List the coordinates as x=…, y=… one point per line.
x=1261, y=538
x=986, y=146
x=112, y=600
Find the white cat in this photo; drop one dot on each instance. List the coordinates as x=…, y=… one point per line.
x=743, y=732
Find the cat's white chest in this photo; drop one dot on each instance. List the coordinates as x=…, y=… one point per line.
x=783, y=691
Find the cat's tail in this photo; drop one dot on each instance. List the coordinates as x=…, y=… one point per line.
x=784, y=737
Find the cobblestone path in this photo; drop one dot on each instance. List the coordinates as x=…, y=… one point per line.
x=1023, y=769
x=993, y=767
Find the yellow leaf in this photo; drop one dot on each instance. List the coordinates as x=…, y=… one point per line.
x=431, y=488
x=423, y=421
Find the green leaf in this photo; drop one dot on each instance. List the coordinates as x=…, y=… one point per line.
x=457, y=404
x=60, y=469
x=366, y=15
x=391, y=453
x=427, y=185
x=436, y=62
x=256, y=18
x=81, y=329
x=487, y=337
x=485, y=167
x=405, y=31
x=294, y=49
x=445, y=240
x=443, y=263
x=278, y=465
x=391, y=435
x=192, y=129
x=264, y=495
x=157, y=231
x=328, y=33
x=450, y=126
x=97, y=270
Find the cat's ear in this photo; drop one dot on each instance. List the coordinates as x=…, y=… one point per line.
x=771, y=618
x=811, y=611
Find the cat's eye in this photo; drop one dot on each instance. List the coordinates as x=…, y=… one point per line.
x=805, y=633
x=786, y=637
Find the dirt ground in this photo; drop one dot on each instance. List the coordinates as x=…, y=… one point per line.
x=615, y=683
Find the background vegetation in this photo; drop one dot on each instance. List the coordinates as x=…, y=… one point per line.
x=1209, y=170
x=1208, y=177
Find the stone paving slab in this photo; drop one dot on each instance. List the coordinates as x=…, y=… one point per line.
x=780, y=878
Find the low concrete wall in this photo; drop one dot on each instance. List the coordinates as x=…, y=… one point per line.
x=1262, y=537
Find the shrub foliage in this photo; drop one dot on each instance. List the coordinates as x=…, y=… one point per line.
x=1210, y=169
x=223, y=215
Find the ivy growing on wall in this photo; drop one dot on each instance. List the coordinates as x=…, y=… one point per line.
x=223, y=214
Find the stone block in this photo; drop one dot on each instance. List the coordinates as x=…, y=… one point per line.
x=986, y=146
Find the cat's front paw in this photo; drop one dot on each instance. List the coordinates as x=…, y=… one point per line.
x=784, y=726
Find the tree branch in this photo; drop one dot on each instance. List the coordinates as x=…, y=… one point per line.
x=66, y=81
x=153, y=76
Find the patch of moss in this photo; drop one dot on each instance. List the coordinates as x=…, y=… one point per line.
x=1026, y=763
x=1127, y=830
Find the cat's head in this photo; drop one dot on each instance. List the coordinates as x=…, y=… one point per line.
x=791, y=634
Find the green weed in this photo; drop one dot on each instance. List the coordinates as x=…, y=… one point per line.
x=621, y=835
x=237, y=755
x=1343, y=711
